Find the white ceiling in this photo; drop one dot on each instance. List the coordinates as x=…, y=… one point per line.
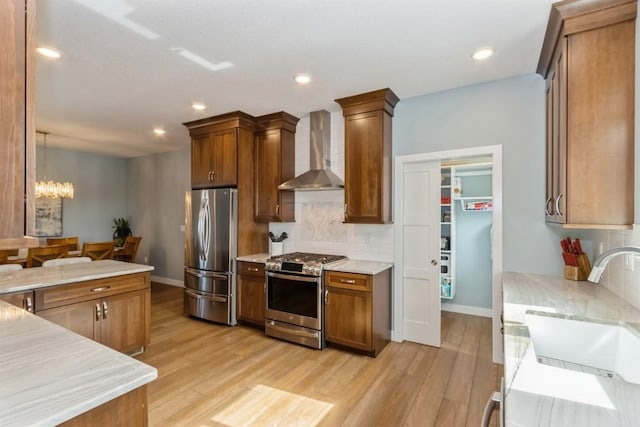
x=124, y=70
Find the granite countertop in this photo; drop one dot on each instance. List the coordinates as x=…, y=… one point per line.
x=261, y=258
x=359, y=266
x=543, y=395
x=49, y=374
x=39, y=277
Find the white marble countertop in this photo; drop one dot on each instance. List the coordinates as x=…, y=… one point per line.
x=39, y=277
x=49, y=374
x=543, y=395
x=261, y=258
x=359, y=266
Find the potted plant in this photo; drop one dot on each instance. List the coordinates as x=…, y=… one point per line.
x=122, y=230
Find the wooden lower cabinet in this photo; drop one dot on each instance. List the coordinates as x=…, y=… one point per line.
x=22, y=299
x=120, y=319
x=358, y=310
x=130, y=409
x=251, y=296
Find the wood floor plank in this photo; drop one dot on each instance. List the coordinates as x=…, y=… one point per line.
x=214, y=375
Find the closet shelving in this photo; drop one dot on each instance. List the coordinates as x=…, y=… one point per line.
x=452, y=190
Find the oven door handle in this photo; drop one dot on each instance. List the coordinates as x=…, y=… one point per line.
x=303, y=334
x=295, y=277
x=199, y=295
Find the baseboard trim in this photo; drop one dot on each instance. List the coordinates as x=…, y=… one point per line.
x=467, y=309
x=167, y=281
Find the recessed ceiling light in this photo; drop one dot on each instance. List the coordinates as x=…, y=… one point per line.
x=302, y=78
x=48, y=52
x=481, y=54
x=198, y=106
x=159, y=131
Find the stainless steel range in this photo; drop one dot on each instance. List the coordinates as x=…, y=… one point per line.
x=294, y=303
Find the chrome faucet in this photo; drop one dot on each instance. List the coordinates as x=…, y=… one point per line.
x=601, y=262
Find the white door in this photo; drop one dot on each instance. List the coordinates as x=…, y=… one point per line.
x=420, y=274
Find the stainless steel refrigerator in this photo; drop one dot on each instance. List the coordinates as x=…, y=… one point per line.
x=210, y=253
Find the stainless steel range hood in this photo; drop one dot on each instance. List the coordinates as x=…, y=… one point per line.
x=320, y=176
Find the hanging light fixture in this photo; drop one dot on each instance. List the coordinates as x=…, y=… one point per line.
x=52, y=189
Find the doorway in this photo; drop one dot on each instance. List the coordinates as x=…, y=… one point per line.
x=416, y=295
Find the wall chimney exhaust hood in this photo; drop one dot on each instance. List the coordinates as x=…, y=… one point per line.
x=320, y=176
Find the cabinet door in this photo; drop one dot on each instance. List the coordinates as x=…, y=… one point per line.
x=225, y=158
x=82, y=318
x=348, y=318
x=20, y=299
x=122, y=326
x=201, y=161
x=363, y=168
x=16, y=124
x=268, y=175
x=251, y=299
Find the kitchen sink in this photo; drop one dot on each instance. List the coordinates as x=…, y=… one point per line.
x=610, y=350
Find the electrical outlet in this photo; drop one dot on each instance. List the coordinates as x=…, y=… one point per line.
x=146, y=260
x=182, y=228
x=600, y=248
x=629, y=262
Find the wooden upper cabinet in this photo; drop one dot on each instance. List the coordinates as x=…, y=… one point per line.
x=214, y=149
x=588, y=61
x=275, y=164
x=17, y=125
x=368, y=152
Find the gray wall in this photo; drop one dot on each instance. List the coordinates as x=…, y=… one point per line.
x=157, y=185
x=508, y=112
x=100, y=186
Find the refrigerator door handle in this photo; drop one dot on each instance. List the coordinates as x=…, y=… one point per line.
x=203, y=227
x=494, y=402
x=205, y=274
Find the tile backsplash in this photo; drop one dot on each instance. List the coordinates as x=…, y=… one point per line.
x=319, y=228
x=617, y=277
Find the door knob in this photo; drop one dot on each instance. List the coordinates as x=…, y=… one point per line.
x=434, y=262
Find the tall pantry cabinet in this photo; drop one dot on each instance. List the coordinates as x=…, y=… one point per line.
x=588, y=61
x=17, y=123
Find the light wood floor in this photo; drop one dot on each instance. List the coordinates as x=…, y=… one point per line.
x=212, y=375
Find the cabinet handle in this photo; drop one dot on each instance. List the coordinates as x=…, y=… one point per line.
x=547, y=211
x=348, y=281
x=100, y=288
x=104, y=309
x=345, y=209
x=252, y=269
x=558, y=204
x=98, y=313
x=29, y=305
x=326, y=296
x=209, y=176
x=213, y=176
x=277, y=210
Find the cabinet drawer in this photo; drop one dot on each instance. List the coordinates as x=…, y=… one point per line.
x=251, y=268
x=57, y=296
x=357, y=282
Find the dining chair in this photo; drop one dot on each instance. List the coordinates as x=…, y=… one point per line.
x=6, y=253
x=71, y=241
x=36, y=256
x=129, y=250
x=98, y=250
x=66, y=261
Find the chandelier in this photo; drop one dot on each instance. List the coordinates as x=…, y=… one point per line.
x=52, y=189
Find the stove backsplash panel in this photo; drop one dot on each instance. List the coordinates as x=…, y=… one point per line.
x=319, y=229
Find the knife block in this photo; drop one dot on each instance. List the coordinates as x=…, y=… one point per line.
x=578, y=272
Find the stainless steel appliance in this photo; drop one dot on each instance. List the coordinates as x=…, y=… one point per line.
x=210, y=253
x=294, y=300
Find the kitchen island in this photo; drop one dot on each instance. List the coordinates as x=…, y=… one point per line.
x=543, y=395
x=51, y=375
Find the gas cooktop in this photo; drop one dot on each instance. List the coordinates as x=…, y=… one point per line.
x=301, y=262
